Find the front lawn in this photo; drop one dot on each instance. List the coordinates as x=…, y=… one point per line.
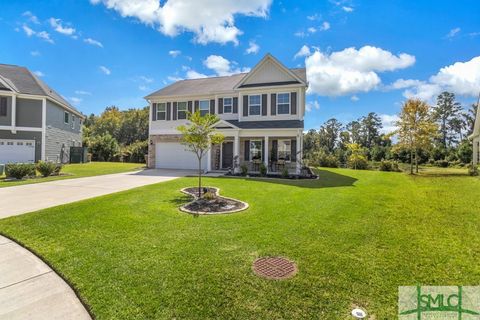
x=78, y=171
x=355, y=235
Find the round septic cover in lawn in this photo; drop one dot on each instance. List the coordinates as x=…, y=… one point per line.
x=276, y=268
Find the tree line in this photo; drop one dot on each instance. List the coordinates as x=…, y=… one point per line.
x=117, y=135
x=437, y=135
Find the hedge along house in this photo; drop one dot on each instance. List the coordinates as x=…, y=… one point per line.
x=261, y=115
x=476, y=139
x=36, y=123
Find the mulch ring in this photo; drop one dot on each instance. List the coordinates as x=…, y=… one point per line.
x=213, y=203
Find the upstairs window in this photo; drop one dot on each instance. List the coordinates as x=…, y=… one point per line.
x=284, y=150
x=204, y=107
x=66, y=117
x=283, y=103
x=161, y=111
x=254, y=105
x=181, y=110
x=227, y=105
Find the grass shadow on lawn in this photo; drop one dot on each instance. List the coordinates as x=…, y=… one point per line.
x=327, y=179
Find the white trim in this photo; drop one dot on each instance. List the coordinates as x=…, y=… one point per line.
x=289, y=104
x=259, y=105
x=225, y=123
x=44, y=127
x=14, y=113
x=265, y=151
x=199, y=105
x=186, y=110
x=156, y=116
x=223, y=105
x=21, y=128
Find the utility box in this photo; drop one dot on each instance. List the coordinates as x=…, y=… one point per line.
x=78, y=154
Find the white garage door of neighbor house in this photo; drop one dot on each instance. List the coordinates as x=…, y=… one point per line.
x=17, y=151
x=172, y=155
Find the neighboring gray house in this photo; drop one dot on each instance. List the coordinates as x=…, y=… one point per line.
x=36, y=123
x=476, y=139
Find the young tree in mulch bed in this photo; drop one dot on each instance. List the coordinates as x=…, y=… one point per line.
x=198, y=136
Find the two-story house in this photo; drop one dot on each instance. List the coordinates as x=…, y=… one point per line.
x=476, y=139
x=36, y=123
x=261, y=116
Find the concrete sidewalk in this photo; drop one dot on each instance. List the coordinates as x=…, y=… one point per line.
x=32, y=197
x=29, y=289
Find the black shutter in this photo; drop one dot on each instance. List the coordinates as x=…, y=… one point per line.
x=154, y=111
x=220, y=105
x=264, y=104
x=245, y=106
x=235, y=105
x=197, y=105
x=189, y=106
x=174, y=111
x=274, y=150
x=293, y=149
x=212, y=106
x=169, y=110
x=293, y=107
x=264, y=155
x=3, y=106
x=247, y=150
x=273, y=102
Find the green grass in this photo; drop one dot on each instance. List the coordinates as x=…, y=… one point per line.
x=355, y=235
x=78, y=171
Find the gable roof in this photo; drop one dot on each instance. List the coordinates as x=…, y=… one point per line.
x=21, y=80
x=218, y=85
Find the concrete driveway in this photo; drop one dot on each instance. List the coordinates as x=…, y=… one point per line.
x=32, y=197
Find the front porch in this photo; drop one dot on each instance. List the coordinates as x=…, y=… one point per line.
x=276, y=153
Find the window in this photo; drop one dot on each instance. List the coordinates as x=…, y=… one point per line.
x=10, y=143
x=254, y=105
x=161, y=111
x=255, y=149
x=73, y=121
x=283, y=103
x=29, y=144
x=19, y=143
x=3, y=107
x=181, y=110
x=66, y=117
x=204, y=107
x=284, y=150
x=227, y=105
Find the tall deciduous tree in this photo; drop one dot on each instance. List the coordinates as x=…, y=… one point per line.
x=416, y=129
x=329, y=134
x=198, y=136
x=370, y=130
x=446, y=113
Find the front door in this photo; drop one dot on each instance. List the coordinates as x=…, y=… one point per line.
x=227, y=155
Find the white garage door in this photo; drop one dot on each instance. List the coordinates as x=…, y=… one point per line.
x=172, y=155
x=17, y=151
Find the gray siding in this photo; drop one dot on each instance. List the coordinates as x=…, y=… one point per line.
x=60, y=134
x=7, y=121
x=26, y=135
x=29, y=113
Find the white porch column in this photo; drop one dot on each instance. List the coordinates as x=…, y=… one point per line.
x=44, y=127
x=265, y=156
x=299, y=153
x=236, y=151
x=14, y=113
x=209, y=159
x=475, y=150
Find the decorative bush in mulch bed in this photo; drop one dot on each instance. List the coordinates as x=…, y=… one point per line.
x=211, y=202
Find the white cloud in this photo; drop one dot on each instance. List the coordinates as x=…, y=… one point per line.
x=29, y=32
x=60, y=28
x=75, y=100
x=93, y=42
x=347, y=9
x=461, y=78
x=146, y=79
x=325, y=26
x=222, y=66
x=143, y=87
x=174, y=53
x=404, y=83
x=105, y=70
x=303, y=52
x=39, y=73
x=35, y=53
x=31, y=17
x=452, y=33
x=174, y=78
x=45, y=36
x=314, y=17
x=209, y=20
x=41, y=34
x=312, y=106
x=354, y=98
x=299, y=34
x=351, y=70
x=312, y=30
x=253, y=47
x=83, y=93
x=388, y=122
x=192, y=74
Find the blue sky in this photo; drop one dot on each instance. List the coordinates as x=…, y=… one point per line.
x=361, y=56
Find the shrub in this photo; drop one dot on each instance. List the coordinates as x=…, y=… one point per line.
x=263, y=170
x=322, y=159
x=209, y=195
x=285, y=173
x=20, y=170
x=387, y=165
x=243, y=169
x=46, y=168
x=473, y=170
x=441, y=163
x=58, y=168
x=465, y=151
x=358, y=162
